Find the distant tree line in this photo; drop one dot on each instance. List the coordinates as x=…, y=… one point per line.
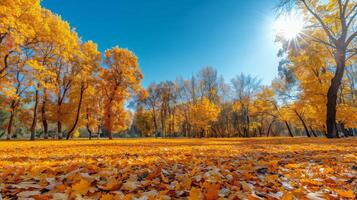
x=207, y=106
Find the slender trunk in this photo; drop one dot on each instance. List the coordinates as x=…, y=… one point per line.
x=108, y=129
x=98, y=131
x=90, y=132
x=70, y=132
x=260, y=131
x=248, y=122
x=88, y=128
x=162, y=125
x=154, y=117
x=59, y=123
x=351, y=131
x=287, y=126
x=303, y=123
x=343, y=129
x=313, y=132
x=173, y=126
x=34, y=119
x=269, y=129
x=340, y=58
x=9, y=126
x=43, y=114
x=59, y=129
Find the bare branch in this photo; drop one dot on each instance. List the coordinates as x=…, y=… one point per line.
x=352, y=17
x=315, y=39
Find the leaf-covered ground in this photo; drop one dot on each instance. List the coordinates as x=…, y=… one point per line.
x=277, y=168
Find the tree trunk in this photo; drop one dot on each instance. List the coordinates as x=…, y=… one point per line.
x=287, y=126
x=340, y=58
x=59, y=130
x=248, y=122
x=108, y=130
x=90, y=132
x=59, y=123
x=34, y=119
x=313, y=132
x=88, y=128
x=303, y=123
x=78, y=112
x=154, y=118
x=43, y=114
x=270, y=125
x=9, y=126
x=98, y=131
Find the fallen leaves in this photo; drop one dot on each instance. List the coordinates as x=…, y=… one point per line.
x=195, y=169
x=195, y=194
x=347, y=193
x=81, y=187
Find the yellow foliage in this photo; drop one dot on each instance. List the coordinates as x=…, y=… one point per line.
x=203, y=113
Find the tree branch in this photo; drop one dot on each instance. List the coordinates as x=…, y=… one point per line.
x=349, y=40
x=352, y=17
x=324, y=26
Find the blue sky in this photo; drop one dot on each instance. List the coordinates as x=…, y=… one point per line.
x=178, y=37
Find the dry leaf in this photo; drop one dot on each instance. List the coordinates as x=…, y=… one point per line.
x=81, y=187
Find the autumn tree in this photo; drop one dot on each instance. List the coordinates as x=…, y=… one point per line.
x=84, y=78
x=18, y=28
x=203, y=113
x=120, y=80
x=17, y=76
x=245, y=88
x=56, y=51
x=336, y=20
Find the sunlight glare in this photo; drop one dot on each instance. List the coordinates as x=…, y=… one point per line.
x=289, y=26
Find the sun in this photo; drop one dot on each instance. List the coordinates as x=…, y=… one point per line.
x=289, y=26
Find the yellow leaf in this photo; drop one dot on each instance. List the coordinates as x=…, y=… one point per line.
x=293, y=166
x=164, y=178
x=107, y=197
x=195, y=194
x=127, y=197
x=346, y=194
x=82, y=187
x=311, y=182
x=287, y=196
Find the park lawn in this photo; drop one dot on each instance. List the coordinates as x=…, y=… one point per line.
x=262, y=168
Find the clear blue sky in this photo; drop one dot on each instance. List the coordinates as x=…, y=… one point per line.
x=178, y=37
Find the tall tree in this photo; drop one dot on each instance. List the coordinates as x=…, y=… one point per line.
x=337, y=20
x=88, y=66
x=120, y=80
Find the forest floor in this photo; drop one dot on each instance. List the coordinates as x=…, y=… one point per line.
x=262, y=168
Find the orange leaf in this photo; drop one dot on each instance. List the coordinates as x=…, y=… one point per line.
x=195, y=194
x=287, y=196
x=112, y=184
x=61, y=188
x=212, y=190
x=107, y=197
x=82, y=187
x=346, y=194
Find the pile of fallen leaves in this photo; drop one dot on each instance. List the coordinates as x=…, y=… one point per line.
x=278, y=168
